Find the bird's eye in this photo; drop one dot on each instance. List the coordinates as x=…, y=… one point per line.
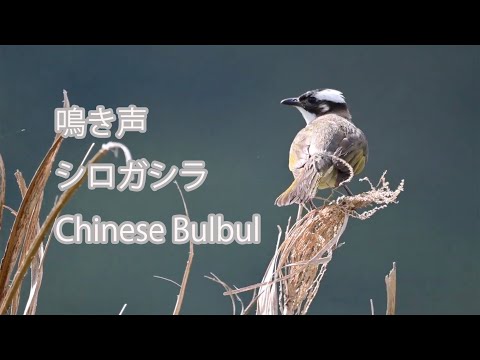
x=312, y=100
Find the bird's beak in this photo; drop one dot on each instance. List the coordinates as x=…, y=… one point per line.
x=291, y=102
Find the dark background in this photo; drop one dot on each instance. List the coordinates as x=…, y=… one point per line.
x=418, y=106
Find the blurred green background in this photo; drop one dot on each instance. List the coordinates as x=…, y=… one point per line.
x=418, y=106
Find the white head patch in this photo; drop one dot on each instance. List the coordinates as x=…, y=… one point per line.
x=330, y=95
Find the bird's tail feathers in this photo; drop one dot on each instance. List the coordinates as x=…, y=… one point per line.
x=304, y=187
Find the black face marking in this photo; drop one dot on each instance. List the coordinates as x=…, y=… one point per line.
x=320, y=107
x=313, y=105
x=310, y=103
x=306, y=95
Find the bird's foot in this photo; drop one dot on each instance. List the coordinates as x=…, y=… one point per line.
x=311, y=205
x=349, y=193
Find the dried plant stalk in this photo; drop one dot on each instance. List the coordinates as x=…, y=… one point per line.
x=311, y=242
x=391, y=285
x=32, y=229
x=186, y=274
x=27, y=225
x=301, y=260
x=21, y=227
x=10, y=292
x=304, y=255
x=2, y=189
x=267, y=303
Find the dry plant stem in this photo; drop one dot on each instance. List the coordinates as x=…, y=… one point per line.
x=22, y=251
x=186, y=274
x=309, y=246
x=250, y=306
x=316, y=259
x=167, y=279
x=278, y=279
x=306, y=254
x=32, y=229
x=14, y=212
x=36, y=243
x=2, y=189
x=227, y=288
x=243, y=310
x=27, y=207
x=47, y=245
x=391, y=285
x=267, y=303
x=262, y=284
x=37, y=275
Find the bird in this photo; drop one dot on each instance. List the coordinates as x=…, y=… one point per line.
x=320, y=151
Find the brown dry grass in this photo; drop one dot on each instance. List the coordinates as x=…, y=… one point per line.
x=26, y=249
x=299, y=263
x=18, y=254
x=304, y=256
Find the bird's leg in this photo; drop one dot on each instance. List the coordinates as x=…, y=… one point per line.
x=299, y=213
x=347, y=190
x=325, y=200
x=305, y=207
x=311, y=204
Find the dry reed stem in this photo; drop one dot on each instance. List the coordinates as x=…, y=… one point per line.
x=167, y=279
x=21, y=226
x=13, y=212
x=37, y=274
x=32, y=230
x=267, y=301
x=6, y=300
x=2, y=189
x=37, y=277
x=244, y=310
x=215, y=278
x=252, y=303
x=27, y=225
x=27, y=235
x=183, y=287
x=391, y=285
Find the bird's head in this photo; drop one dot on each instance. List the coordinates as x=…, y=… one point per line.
x=315, y=103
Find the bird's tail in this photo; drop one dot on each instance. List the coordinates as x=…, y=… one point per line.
x=305, y=186
x=289, y=195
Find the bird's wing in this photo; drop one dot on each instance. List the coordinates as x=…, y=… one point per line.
x=299, y=150
x=353, y=148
